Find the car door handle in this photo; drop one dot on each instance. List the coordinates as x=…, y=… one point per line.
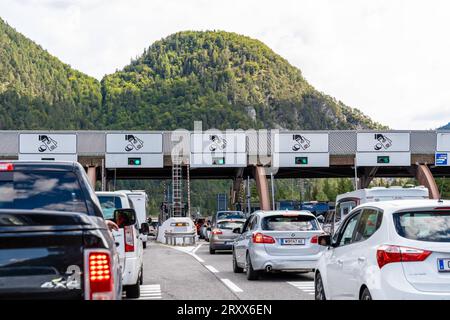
x=361, y=259
x=340, y=262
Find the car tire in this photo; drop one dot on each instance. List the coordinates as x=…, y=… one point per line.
x=251, y=273
x=141, y=278
x=144, y=244
x=212, y=251
x=133, y=291
x=236, y=268
x=365, y=295
x=319, y=291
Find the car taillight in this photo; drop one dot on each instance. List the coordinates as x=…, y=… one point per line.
x=262, y=238
x=217, y=231
x=315, y=239
x=129, y=241
x=6, y=167
x=98, y=275
x=389, y=254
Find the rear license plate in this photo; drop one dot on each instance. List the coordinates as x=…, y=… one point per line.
x=292, y=242
x=444, y=265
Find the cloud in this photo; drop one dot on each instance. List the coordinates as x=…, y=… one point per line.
x=387, y=58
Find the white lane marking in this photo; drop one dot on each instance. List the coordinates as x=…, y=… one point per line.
x=196, y=248
x=149, y=292
x=212, y=269
x=305, y=286
x=197, y=257
x=231, y=285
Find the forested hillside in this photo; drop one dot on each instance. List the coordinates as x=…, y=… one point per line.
x=223, y=79
x=37, y=91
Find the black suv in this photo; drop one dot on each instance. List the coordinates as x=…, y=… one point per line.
x=54, y=242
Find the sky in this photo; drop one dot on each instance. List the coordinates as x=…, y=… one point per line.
x=390, y=59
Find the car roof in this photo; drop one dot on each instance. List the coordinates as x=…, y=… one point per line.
x=283, y=212
x=111, y=193
x=407, y=204
x=222, y=220
x=42, y=165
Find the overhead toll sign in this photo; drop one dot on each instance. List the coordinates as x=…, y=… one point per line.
x=300, y=149
x=218, y=149
x=383, y=149
x=48, y=146
x=443, y=149
x=134, y=150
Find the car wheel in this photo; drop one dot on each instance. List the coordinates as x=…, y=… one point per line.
x=144, y=244
x=319, y=292
x=236, y=268
x=141, y=278
x=251, y=273
x=366, y=295
x=133, y=291
x=211, y=250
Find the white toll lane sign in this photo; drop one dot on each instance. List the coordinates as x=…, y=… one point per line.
x=442, y=154
x=383, y=149
x=300, y=149
x=218, y=149
x=134, y=150
x=48, y=146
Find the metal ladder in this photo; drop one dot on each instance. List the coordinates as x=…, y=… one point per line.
x=177, y=187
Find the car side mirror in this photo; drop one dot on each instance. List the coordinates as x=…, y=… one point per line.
x=324, y=240
x=145, y=228
x=124, y=217
x=321, y=219
x=237, y=230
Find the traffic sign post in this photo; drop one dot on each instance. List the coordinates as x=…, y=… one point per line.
x=300, y=149
x=383, y=149
x=134, y=150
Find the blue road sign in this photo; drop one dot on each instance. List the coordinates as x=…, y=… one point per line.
x=441, y=159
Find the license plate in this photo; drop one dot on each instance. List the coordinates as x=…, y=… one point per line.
x=443, y=265
x=292, y=242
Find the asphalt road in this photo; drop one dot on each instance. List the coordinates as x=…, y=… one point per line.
x=193, y=273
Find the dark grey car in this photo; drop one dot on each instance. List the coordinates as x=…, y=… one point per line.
x=222, y=236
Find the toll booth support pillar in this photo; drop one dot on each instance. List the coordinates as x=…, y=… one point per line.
x=92, y=175
x=367, y=177
x=425, y=177
x=235, y=189
x=263, y=187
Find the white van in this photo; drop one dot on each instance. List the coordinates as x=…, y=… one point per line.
x=347, y=201
x=129, y=246
x=140, y=202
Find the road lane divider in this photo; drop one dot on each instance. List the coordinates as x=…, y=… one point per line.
x=211, y=268
x=305, y=286
x=231, y=285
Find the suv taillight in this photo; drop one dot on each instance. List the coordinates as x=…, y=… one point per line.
x=129, y=240
x=315, y=239
x=389, y=254
x=6, y=167
x=99, y=282
x=262, y=238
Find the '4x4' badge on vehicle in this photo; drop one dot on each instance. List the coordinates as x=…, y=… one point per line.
x=72, y=281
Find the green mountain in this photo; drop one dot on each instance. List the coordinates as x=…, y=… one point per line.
x=37, y=91
x=223, y=79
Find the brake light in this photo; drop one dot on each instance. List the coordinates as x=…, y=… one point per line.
x=442, y=208
x=390, y=254
x=98, y=276
x=262, y=238
x=129, y=241
x=6, y=167
x=315, y=239
x=217, y=231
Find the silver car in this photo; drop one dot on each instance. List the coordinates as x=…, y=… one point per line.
x=222, y=236
x=277, y=241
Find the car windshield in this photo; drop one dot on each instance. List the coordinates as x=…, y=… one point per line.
x=41, y=190
x=109, y=205
x=230, y=215
x=432, y=226
x=289, y=223
x=230, y=225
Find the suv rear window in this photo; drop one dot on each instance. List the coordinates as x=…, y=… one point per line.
x=230, y=215
x=41, y=190
x=109, y=205
x=432, y=226
x=289, y=223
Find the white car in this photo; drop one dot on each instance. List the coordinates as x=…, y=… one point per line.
x=390, y=250
x=130, y=248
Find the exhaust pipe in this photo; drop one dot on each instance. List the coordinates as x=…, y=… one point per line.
x=268, y=268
